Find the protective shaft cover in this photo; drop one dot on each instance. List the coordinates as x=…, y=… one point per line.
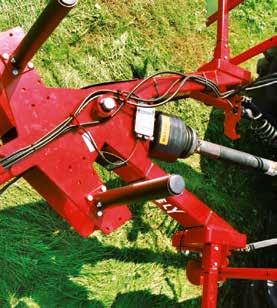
x=172, y=138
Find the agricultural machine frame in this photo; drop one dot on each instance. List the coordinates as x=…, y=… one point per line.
x=51, y=137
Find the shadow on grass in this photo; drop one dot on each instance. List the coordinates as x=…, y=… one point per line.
x=138, y=299
x=140, y=226
x=40, y=255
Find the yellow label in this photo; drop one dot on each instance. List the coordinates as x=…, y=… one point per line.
x=165, y=130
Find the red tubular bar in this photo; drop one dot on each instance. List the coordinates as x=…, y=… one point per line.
x=211, y=262
x=222, y=45
x=248, y=273
x=254, y=51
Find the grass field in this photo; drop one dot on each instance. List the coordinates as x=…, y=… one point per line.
x=46, y=264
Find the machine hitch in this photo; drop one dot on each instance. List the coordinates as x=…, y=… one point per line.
x=54, y=137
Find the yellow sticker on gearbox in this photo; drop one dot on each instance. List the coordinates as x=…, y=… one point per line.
x=165, y=130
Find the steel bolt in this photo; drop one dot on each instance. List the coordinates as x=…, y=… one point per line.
x=90, y=198
x=108, y=103
x=215, y=264
x=103, y=188
x=15, y=72
x=13, y=60
x=31, y=65
x=216, y=248
x=99, y=213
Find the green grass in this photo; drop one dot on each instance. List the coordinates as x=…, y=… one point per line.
x=46, y=264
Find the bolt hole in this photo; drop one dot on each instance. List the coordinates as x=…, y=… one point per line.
x=11, y=34
x=84, y=158
x=23, y=89
x=70, y=167
x=48, y=97
x=79, y=182
x=119, y=218
x=33, y=105
x=235, y=110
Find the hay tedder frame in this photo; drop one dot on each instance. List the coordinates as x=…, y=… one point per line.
x=51, y=137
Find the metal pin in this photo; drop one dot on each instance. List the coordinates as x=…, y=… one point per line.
x=15, y=72
x=108, y=103
x=99, y=213
x=90, y=198
x=31, y=65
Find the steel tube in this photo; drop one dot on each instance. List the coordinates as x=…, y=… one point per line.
x=142, y=191
x=222, y=45
x=46, y=23
x=249, y=273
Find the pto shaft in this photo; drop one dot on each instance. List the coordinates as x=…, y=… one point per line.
x=173, y=139
x=46, y=23
x=241, y=158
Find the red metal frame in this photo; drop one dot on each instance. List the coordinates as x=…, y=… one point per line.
x=62, y=173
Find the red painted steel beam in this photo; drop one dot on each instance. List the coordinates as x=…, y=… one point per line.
x=212, y=258
x=231, y=5
x=249, y=273
x=254, y=51
x=222, y=46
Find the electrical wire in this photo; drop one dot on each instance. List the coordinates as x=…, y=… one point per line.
x=62, y=128
x=262, y=82
x=102, y=153
x=134, y=99
x=183, y=81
